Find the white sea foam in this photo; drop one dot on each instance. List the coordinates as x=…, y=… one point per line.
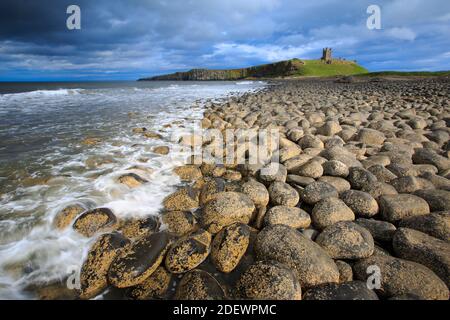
x=32, y=251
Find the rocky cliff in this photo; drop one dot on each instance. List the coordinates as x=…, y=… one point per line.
x=278, y=69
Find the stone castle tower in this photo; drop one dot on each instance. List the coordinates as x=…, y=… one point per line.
x=326, y=55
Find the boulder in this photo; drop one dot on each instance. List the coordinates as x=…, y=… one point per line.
x=257, y=192
x=94, y=221
x=290, y=216
x=226, y=208
x=354, y=290
x=281, y=193
x=400, y=277
x=380, y=230
x=155, y=286
x=310, y=263
x=184, y=199
x=94, y=272
x=361, y=203
x=229, y=246
x=139, y=261
x=179, y=222
x=65, y=217
x=329, y=211
x=346, y=240
x=188, y=252
x=436, y=224
x=419, y=247
x=398, y=207
x=268, y=281
x=317, y=191
x=199, y=285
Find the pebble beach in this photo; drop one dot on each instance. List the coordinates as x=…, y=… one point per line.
x=358, y=208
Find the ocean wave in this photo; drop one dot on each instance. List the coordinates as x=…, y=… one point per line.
x=41, y=93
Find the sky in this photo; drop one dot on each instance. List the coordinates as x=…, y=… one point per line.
x=129, y=39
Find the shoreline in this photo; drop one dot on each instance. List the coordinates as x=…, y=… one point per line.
x=364, y=175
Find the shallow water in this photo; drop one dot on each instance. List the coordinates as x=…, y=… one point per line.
x=44, y=166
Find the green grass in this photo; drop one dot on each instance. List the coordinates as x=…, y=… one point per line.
x=409, y=73
x=318, y=68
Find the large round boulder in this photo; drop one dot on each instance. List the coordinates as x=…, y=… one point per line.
x=139, y=261
x=226, y=208
x=268, y=281
x=188, y=252
x=310, y=263
x=346, y=240
x=95, y=221
x=229, y=246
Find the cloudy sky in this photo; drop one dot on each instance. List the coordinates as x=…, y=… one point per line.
x=128, y=39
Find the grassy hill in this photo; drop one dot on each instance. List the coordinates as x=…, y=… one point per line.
x=317, y=68
x=288, y=68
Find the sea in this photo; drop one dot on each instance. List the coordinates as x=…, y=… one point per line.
x=45, y=164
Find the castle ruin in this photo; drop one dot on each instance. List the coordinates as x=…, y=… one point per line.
x=326, y=56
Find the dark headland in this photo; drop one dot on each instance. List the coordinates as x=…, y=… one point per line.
x=326, y=66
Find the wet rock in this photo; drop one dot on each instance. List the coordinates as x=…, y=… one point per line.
x=290, y=216
x=380, y=230
x=91, y=141
x=188, y=252
x=361, y=203
x=191, y=140
x=94, y=221
x=340, y=184
x=65, y=217
x=400, y=277
x=317, y=191
x=335, y=168
x=436, y=224
x=136, y=228
x=188, y=172
x=163, y=150
x=354, y=290
x=152, y=135
x=131, y=180
x=94, y=272
x=226, y=208
x=210, y=189
x=179, y=222
x=419, y=247
x=438, y=200
x=329, y=211
x=345, y=271
x=229, y=246
x=199, y=285
x=346, y=240
x=359, y=177
x=397, y=207
x=257, y=192
x=155, y=286
x=139, y=261
x=310, y=263
x=268, y=281
x=312, y=169
x=281, y=193
x=183, y=199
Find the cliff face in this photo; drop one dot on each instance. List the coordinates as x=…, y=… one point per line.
x=278, y=69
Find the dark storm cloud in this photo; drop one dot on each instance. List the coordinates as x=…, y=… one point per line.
x=129, y=39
